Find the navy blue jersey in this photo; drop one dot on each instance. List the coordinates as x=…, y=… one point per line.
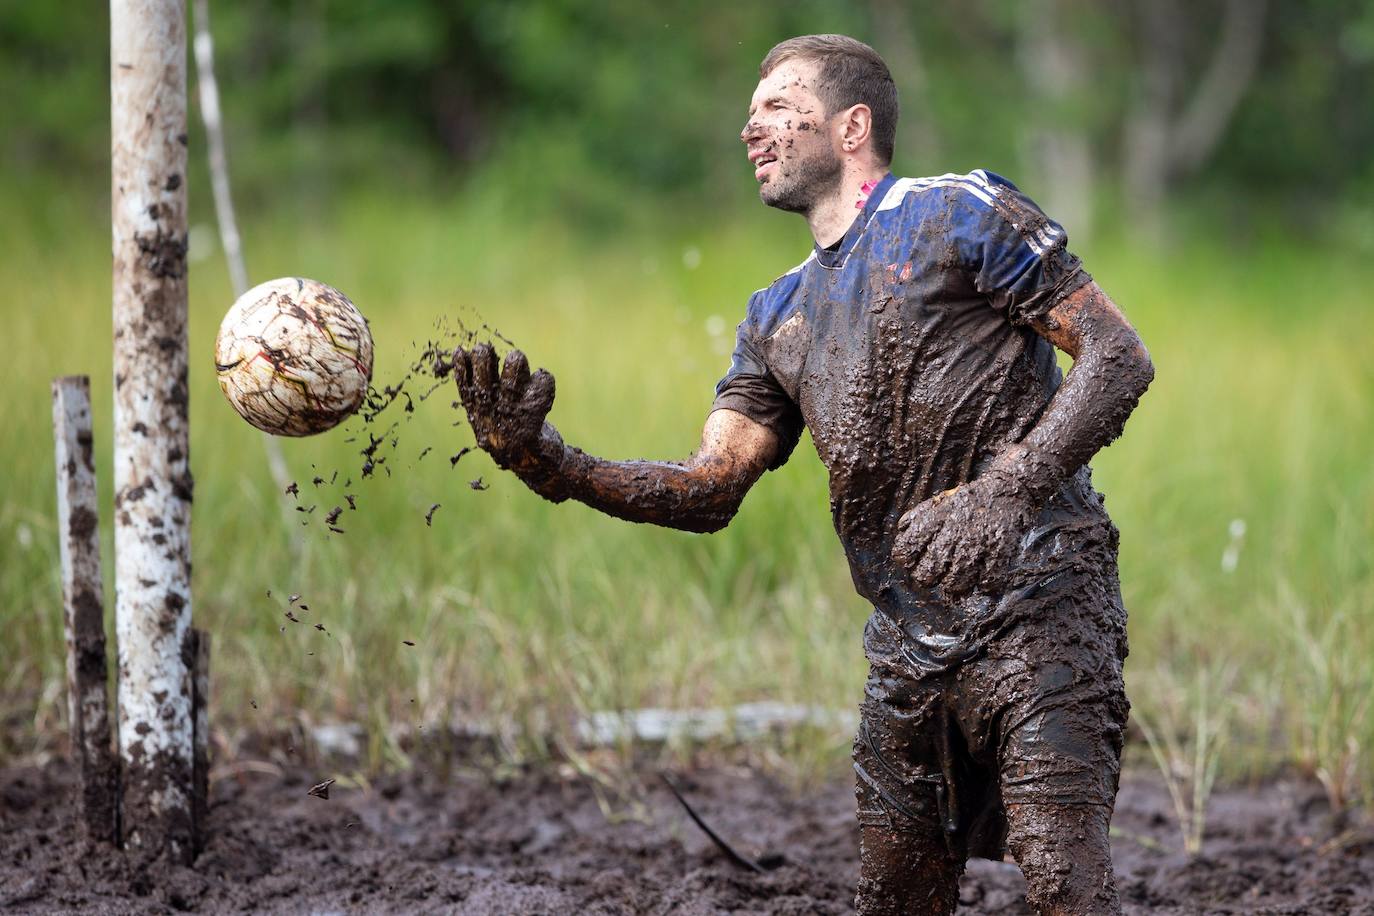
x=908, y=354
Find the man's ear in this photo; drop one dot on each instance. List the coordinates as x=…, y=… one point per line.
x=856, y=127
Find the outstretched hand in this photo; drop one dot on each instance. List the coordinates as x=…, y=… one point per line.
x=965, y=538
x=506, y=406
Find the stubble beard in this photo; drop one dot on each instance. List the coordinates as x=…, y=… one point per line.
x=801, y=184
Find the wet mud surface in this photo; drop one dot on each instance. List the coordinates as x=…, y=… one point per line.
x=543, y=843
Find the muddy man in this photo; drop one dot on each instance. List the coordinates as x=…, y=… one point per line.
x=916, y=343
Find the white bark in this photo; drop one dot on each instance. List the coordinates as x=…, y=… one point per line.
x=78, y=521
x=152, y=469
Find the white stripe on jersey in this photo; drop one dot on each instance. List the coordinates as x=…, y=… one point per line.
x=903, y=186
x=1048, y=235
x=894, y=195
x=980, y=186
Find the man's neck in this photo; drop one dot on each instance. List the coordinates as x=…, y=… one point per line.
x=832, y=216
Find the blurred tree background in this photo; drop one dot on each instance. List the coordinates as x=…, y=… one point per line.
x=1106, y=111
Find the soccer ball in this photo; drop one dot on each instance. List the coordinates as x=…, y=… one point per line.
x=294, y=357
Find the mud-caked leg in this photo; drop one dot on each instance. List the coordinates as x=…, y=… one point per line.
x=1064, y=853
x=906, y=872
x=1063, y=713
x=908, y=865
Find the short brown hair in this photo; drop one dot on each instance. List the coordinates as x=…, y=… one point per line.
x=851, y=73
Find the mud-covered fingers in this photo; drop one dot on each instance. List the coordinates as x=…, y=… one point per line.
x=515, y=379
x=476, y=398
x=932, y=560
x=909, y=518
x=462, y=368
x=485, y=369
x=963, y=572
x=903, y=549
x=515, y=375
x=537, y=400
x=928, y=572
x=952, y=548
x=483, y=401
x=1000, y=549
x=462, y=375
x=916, y=530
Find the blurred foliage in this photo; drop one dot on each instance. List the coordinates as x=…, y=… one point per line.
x=571, y=103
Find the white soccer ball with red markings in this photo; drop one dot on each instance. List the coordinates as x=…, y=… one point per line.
x=294, y=357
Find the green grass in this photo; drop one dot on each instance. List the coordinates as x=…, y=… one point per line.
x=525, y=613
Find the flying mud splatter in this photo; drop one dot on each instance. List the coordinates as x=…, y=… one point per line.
x=380, y=422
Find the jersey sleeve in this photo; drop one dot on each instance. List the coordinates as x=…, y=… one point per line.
x=1018, y=255
x=750, y=388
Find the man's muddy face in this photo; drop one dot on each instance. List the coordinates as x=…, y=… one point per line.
x=790, y=147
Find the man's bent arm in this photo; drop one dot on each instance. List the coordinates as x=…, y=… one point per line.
x=1110, y=372
x=701, y=494
x=965, y=537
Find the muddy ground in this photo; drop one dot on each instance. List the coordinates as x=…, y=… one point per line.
x=542, y=842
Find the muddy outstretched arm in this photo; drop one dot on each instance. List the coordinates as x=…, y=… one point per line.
x=507, y=406
x=966, y=536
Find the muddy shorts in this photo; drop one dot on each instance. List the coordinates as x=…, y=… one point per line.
x=1036, y=717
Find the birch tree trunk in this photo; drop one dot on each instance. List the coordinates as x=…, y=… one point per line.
x=83, y=603
x=152, y=468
